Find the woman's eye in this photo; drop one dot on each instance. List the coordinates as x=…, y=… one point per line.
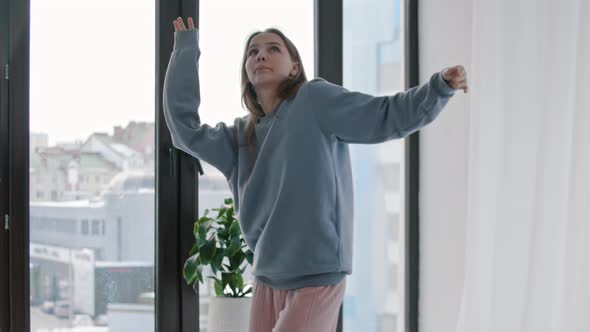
x=272, y=48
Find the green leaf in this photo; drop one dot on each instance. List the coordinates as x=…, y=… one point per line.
x=202, y=235
x=236, y=244
x=216, y=262
x=218, y=288
x=238, y=280
x=202, y=231
x=228, y=201
x=220, y=213
x=229, y=214
x=190, y=270
x=222, y=221
x=195, y=229
x=236, y=260
x=226, y=279
x=194, y=249
x=209, y=224
x=250, y=257
x=200, y=225
x=200, y=273
x=203, y=220
x=208, y=250
x=234, y=229
x=201, y=242
x=222, y=234
x=247, y=292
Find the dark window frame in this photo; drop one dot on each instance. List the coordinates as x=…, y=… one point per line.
x=328, y=51
x=177, y=183
x=16, y=136
x=4, y=170
x=412, y=176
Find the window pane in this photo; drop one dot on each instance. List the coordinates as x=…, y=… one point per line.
x=373, y=64
x=92, y=164
x=219, y=69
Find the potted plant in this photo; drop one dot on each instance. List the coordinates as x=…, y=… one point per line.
x=219, y=244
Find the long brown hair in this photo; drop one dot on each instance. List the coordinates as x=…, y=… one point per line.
x=286, y=90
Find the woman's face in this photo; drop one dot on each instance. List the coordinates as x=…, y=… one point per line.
x=268, y=62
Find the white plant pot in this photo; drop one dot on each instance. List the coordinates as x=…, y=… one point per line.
x=227, y=314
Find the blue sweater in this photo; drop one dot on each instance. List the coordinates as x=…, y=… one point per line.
x=296, y=208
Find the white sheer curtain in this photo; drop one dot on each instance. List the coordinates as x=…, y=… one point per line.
x=528, y=226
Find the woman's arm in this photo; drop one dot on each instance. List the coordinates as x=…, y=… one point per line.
x=356, y=117
x=181, y=100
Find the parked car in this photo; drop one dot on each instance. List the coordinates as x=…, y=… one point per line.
x=62, y=309
x=101, y=320
x=47, y=307
x=82, y=320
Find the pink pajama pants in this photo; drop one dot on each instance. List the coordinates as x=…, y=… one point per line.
x=308, y=309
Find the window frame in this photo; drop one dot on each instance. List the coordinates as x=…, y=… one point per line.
x=412, y=174
x=4, y=169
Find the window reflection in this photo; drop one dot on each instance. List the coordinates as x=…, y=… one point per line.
x=372, y=64
x=91, y=192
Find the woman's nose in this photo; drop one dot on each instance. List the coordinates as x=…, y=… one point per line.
x=260, y=57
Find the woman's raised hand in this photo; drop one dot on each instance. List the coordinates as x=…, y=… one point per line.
x=179, y=24
x=456, y=77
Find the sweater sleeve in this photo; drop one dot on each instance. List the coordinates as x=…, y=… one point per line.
x=181, y=100
x=355, y=117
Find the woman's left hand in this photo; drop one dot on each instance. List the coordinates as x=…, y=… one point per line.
x=179, y=24
x=456, y=77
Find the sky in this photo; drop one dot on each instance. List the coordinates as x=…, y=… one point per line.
x=93, y=62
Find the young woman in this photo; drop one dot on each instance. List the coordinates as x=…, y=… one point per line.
x=288, y=166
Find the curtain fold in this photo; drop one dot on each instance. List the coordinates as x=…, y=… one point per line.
x=528, y=218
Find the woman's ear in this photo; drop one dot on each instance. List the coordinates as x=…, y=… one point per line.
x=295, y=69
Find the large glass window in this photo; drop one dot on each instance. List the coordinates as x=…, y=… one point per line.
x=372, y=63
x=92, y=164
x=219, y=69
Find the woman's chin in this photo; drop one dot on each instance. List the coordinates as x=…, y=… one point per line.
x=266, y=81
